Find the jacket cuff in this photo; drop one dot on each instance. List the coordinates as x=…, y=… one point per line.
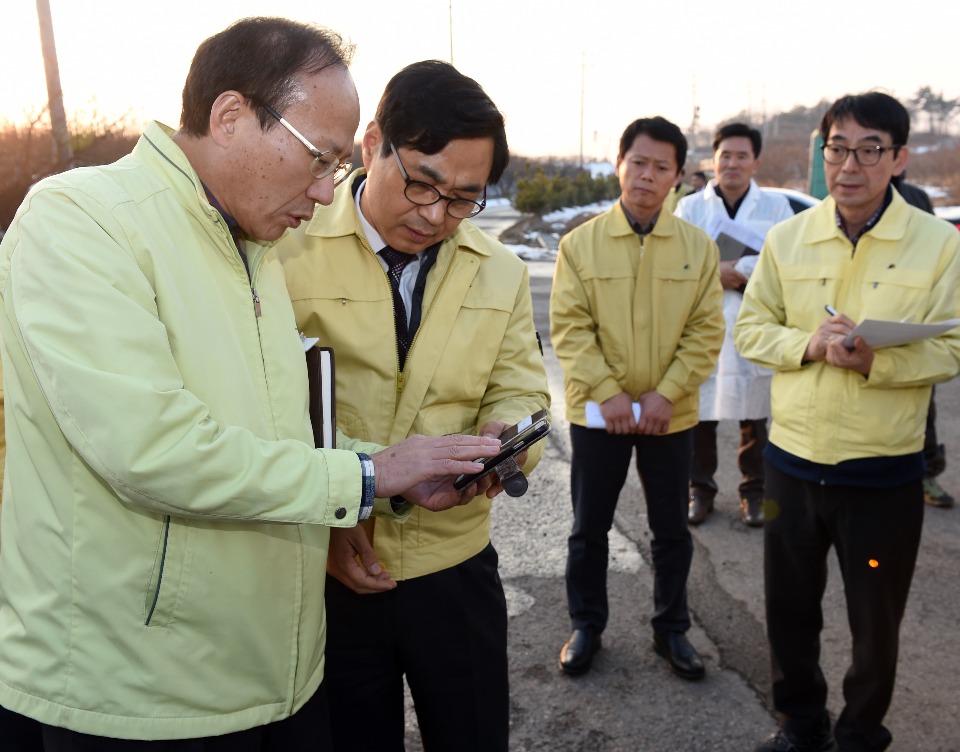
x=608, y=388
x=671, y=392
x=368, y=485
x=398, y=511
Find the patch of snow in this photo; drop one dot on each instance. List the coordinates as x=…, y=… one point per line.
x=599, y=169
x=564, y=215
x=934, y=191
x=531, y=252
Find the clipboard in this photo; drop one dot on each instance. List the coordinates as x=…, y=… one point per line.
x=879, y=334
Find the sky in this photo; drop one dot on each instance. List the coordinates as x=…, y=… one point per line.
x=547, y=65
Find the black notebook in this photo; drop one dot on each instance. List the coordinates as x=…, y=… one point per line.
x=323, y=406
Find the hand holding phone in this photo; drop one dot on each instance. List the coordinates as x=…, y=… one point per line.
x=517, y=438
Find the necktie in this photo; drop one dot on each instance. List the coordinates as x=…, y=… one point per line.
x=396, y=261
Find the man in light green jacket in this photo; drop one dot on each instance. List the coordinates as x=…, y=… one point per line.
x=844, y=464
x=166, y=516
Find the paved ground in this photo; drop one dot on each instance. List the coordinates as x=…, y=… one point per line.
x=629, y=701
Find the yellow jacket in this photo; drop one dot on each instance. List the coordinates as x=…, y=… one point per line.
x=906, y=267
x=474, y=358
x=635, y=315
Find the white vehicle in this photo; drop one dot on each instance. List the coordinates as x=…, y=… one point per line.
x=798, y=200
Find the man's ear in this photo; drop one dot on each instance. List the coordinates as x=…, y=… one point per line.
x=900, y=163
x=371, y=144
x=226, y=111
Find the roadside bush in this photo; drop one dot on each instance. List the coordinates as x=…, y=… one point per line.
x=540, y=193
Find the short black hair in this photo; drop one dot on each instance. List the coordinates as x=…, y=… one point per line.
x=262, y=59
x=659, y=129
x=739, y=129
x=700, y=174
x=429, y=104
x=874, y=109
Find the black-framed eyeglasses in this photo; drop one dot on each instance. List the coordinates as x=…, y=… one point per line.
x=324, y=162
x=866, y=156
x=425, y=194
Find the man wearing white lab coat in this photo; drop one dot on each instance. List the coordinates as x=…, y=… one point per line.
x=737, y=389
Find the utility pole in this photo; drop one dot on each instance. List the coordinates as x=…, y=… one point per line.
x=695, y=120
x=62, y=153
x=451, y=31
x=583, y=77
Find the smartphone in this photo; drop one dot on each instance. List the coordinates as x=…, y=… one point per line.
x=513, y=440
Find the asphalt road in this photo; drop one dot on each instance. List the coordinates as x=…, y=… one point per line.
x=629, y=701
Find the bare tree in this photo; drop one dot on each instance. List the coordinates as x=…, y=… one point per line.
x=939, y=111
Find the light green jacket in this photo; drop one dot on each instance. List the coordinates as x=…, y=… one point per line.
x=474, y=358
x=906, y=267
x=157, y=435
x=636, y=315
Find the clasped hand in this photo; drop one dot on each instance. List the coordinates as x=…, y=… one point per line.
x=655, y=414
x=827, y=344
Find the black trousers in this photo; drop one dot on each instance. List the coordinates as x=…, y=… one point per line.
x=598, y=470
x=876, y=534
x=934, y=454
x=306, y=731
x=753, y=439
x=447, y=632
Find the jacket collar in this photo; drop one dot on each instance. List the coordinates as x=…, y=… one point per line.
x=823, y=222
x=665, y=226
x=157, y=149
x=750, y=198
x=340, y=219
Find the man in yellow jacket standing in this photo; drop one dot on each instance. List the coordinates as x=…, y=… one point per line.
x=636, y=320
x=165, y=514
x=844, y=463
x=431, y=323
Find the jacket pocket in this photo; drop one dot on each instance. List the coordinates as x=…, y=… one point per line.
x=167, y=583
x=803, y=283
x=895, y=294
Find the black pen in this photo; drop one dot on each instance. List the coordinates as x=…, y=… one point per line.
x=833, y=312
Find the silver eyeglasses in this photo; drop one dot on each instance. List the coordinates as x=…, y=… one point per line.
x=866, y=156
x=425, y=194
x=324, y=162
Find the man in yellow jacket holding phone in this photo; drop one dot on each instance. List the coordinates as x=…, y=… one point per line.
x=431, y=323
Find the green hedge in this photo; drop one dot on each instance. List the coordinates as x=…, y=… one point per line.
x=541, y=193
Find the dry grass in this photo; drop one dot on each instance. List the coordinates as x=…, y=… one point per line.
x=26, y=152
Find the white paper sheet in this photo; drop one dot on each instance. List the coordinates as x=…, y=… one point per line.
x=879, y=334
x=595, y=418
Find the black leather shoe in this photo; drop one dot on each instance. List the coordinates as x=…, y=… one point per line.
x=701, y=504
x=751, y=511
x=785, y=741
x=577, y=654
x=683, y=658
